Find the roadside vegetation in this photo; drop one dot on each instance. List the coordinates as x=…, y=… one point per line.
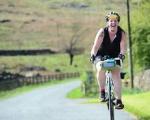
x=138, y=104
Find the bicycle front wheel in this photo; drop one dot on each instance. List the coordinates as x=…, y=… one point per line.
x=110, y=102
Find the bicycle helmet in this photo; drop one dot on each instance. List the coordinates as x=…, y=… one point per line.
x=112, y=15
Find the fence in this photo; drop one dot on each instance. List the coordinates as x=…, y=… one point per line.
x=11, y=84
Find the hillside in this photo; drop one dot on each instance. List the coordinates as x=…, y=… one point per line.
x=34, y=24
x=54, y=24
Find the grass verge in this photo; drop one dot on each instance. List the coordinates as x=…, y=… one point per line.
x=75, y=94
x=15, y=92
x=138, y=105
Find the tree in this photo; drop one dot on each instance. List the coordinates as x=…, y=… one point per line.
x=72, y=47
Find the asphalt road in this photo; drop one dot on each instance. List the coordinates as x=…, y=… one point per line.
x=51, y=104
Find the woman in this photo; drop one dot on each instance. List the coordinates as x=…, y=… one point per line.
x=110, y=41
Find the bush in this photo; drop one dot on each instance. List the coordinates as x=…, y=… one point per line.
x=89, y=86
x=142, y=46
x=141, y=35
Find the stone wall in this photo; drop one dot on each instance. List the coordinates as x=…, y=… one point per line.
x=142, y=80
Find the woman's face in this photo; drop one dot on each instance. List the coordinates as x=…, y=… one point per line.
x=112, y=22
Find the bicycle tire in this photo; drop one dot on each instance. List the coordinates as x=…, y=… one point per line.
x=110, y=101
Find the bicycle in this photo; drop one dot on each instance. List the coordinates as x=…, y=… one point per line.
x=109, y=65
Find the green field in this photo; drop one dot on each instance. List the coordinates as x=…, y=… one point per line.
x=52, y=63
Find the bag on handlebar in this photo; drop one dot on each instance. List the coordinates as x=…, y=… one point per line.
x=108, y=64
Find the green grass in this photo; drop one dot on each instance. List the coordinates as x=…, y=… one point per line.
x=136, y=101
x=21, y=90
x=138, y=104
x=51, y=62
x=75, y=94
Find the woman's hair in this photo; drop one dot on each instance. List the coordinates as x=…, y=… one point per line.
x=112, y=14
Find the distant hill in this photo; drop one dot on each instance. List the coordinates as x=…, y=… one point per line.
x=35, y=24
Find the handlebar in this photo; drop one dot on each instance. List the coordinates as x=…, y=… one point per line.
x=119, y=61
x=111, y=63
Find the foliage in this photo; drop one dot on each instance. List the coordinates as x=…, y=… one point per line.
x=89, y=85
x=142, y=46
x=141, y=34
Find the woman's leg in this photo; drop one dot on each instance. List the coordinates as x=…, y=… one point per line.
x=101, y=81
x=100, y=77
x=118, y=88
x=117, y=83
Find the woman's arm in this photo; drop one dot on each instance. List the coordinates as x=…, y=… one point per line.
x=123, y=45
x=97, y=42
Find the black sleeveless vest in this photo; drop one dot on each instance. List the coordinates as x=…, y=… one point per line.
x=109, y=48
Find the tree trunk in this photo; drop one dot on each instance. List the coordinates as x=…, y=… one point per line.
x=71, y=58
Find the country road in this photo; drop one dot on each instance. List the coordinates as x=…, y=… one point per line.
x=50, y=103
